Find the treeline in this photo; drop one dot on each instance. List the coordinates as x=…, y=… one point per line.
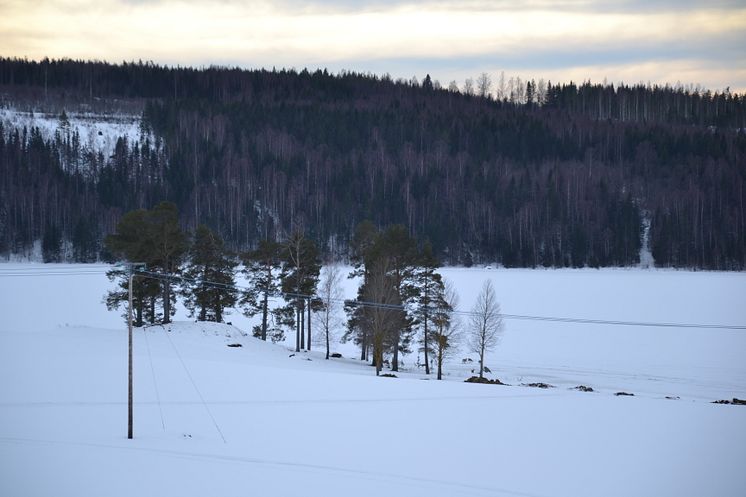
x=562, y=177
x=402, y=300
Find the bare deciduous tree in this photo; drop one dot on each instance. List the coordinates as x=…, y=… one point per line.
x=485, y=323
x=484, y=85
x=330, y=294
x=469, y=86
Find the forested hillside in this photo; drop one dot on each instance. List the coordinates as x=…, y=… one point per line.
x=542, y=174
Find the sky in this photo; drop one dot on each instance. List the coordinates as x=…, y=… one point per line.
x=657, y=41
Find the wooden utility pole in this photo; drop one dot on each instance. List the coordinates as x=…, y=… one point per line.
x=129, y=377
x=131, y=267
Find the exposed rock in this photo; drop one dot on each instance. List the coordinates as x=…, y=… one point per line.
x=537, y=385
x=235, y=345
x=583, y=388
x=388, y=375
x=477, y=379
x=624, y=394
x=672, y=397
x=735, y=402
x=336, y=355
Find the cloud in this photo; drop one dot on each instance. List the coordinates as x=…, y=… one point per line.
x=399, y=37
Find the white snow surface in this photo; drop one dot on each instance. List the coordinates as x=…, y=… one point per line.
x=98, y=132
x=252, y=420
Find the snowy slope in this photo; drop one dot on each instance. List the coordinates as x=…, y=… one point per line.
x=252, y=420
x=98, y=132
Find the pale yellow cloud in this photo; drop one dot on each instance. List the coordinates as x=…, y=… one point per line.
x=263, y=34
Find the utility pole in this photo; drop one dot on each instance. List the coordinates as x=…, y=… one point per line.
x=131, y=267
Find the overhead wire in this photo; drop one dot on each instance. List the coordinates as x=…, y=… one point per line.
x=102, y=269
x=400, y=307
x=194, y=384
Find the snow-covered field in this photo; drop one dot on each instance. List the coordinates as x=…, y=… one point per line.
x=251, y=420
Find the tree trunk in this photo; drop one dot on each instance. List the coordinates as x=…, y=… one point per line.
x=395, y=359
x=302, y=320
x=481, y=361
x=166, y=302
x=327, y=341
x=297, y=330
x=265, y=306
x=427, y=362
x=364, y=347
x=309, y=326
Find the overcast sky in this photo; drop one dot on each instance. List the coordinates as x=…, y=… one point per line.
x=637, y=40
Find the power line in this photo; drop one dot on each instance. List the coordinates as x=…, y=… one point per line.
x=102, y=269
x=400, y=307
x=189, y=375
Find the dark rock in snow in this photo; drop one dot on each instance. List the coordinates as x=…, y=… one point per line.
x=388, y=375
x=624, y=394
x=233, y=344
x=538, y=385
x=583, y=388
x=672, y=397
x=477, y=379
x=336, y=355
x=735, y=402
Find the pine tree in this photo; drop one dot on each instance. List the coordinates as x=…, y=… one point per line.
x=429, y=296
x=445, y=333
x=262, y=268
x=399, y=250
x=299, y=278
x=210, y=281
x=169, y=245
x=152, y=237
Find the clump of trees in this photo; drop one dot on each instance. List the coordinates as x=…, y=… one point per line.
x=402, y=299
x=204, y=271
x=403, y=302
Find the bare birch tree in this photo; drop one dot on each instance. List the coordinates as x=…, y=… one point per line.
x=484, y=85
x=330, y=295
x=485, y=323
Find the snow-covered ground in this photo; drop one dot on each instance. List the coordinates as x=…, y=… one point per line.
x=252, y=420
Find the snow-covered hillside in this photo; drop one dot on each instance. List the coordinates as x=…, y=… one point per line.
x=259, y=420
x=97, y=132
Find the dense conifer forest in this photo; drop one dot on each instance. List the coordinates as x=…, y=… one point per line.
x=531, y=174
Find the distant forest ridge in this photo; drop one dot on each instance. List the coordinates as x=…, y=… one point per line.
x=520, y=173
